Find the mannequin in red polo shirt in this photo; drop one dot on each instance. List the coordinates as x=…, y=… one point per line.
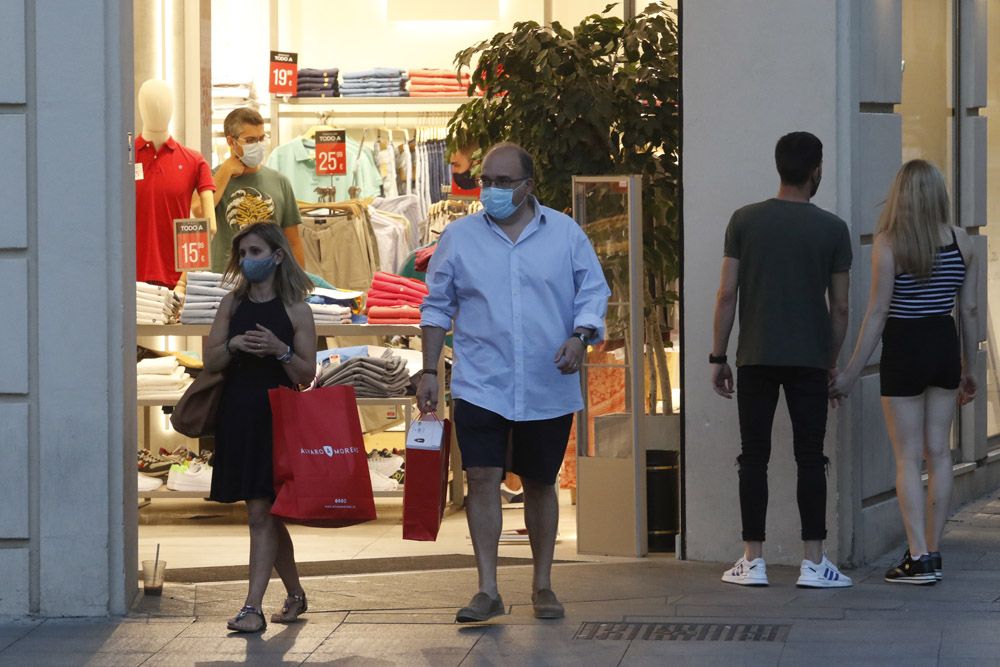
x=166, y=175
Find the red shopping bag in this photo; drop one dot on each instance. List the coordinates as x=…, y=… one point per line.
x=320, y=468
x=425, y=487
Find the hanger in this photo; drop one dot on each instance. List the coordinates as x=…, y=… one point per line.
x=310, y=133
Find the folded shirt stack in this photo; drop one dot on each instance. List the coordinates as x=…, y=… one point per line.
x=393, y=315
x=372, y=377
x=155, y=304
x=391, y=290
x=161, y=379
x=204, y=294
x=229, y=95
x=375, y=82
x=438, y=83
x=318, y=82
x=330, y=314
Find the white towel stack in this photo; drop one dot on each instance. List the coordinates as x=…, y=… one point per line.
x=204, y=294
x=155, y=304
x=161, y=379
x=330, y=313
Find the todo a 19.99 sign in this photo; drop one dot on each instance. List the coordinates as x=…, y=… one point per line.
x=331, y=153
x=284, y=76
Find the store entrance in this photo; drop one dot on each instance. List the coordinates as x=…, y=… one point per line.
x=395, y=195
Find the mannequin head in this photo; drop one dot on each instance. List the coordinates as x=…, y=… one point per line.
x=156, y=105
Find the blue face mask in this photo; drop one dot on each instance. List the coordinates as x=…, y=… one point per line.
x=258, y=270
x=499, y=202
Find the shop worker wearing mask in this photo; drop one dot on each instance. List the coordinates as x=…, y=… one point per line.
x=247, y=192
x=521, y=286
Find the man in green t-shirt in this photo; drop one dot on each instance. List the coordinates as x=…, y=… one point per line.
x=246, y=191
x=786, y=265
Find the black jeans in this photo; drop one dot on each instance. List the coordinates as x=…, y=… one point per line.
x=757, y=398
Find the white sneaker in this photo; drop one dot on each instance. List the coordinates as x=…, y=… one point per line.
x=386, y=465
x=823, y=575
x=197, y=477
x=747, y=573
x=382, y=483
x=147, y=483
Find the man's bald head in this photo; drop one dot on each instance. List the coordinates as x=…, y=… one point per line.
x=510, y=151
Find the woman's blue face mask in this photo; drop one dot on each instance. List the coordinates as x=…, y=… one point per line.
x=258, y=270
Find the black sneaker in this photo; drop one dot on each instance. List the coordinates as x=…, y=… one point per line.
x=909, y=571
x=936, y=561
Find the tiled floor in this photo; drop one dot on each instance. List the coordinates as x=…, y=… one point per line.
x=198, y=533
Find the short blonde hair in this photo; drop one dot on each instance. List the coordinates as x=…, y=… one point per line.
x=917, y=203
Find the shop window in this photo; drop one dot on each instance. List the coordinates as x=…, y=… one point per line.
x=928, y=103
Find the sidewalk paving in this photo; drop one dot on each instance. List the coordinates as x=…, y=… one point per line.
x=653, y=611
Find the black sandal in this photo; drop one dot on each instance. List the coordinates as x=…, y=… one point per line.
x=239, y=624
x=295, y=606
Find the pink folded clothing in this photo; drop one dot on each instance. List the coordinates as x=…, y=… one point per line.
x=381, y=321
x=391, y=300
x=412, y=283
x=429, y=71
x=436, y=88
x=380, y=288
x=440, y=81
x=394, y=312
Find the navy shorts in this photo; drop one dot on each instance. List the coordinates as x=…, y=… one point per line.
x=919, y=353
x=537, y=447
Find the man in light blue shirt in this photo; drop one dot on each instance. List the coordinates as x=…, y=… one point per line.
x=526, y=294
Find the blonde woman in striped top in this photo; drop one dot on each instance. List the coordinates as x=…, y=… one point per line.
x=920, y=265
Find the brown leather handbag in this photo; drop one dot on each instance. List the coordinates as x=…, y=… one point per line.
x=194, y=414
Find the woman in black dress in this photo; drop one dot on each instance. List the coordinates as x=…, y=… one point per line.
x=263, y=337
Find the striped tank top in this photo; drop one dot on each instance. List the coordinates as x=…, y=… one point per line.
x=935, y=296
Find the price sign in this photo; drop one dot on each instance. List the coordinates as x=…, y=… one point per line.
x=284, y=78
x=331, y=153
x=191, y=239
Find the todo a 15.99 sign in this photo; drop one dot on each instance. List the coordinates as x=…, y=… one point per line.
x=284, y=76
x=191, y=239
x=331, y=153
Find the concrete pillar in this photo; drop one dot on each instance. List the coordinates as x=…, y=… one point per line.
x=752, y=72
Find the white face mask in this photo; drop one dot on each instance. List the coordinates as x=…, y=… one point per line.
x=253, y=154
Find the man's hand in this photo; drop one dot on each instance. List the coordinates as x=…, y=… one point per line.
x=722, y=380
x=234, y=166
x=832, y=375
x=570, y=356
x=966, y=390
x=427, y=393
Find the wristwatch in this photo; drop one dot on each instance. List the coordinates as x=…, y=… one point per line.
x=712, y=359
x=287, y=356
x=584, y=338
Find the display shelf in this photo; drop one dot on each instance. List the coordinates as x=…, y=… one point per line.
x=371, y=101
x=203, y=495
x=167, y=493
x=323, y=330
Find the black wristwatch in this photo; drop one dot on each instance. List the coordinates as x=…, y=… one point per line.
x=712, y=359
x=584, y=338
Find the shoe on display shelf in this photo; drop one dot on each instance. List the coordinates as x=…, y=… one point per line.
x=194, y=477
x=919, y=572
x=147, y=483
x=385, y=463
x=381, y=482
x=153, y=465
x=821, y=575
x=747, y=573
